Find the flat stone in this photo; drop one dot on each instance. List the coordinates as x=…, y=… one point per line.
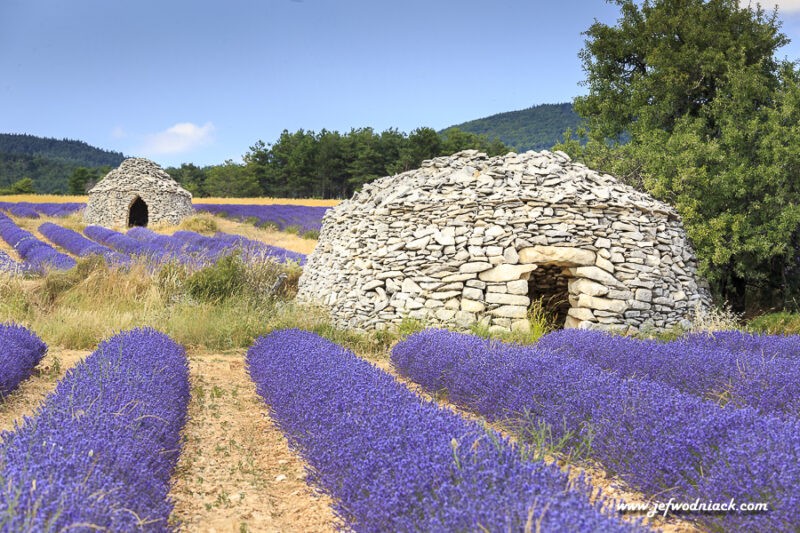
x=603, y=304
x=507, y=299
x=472, y=294
x=506, y=272
x=510, y=311
x=587, y=286
x=519, y=286
x=472, y=306
x=581, y=313
x=477, y=266
x=594, y=273
x=557, y=255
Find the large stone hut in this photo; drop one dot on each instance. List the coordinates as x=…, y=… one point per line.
x=470, y=239
x=137, y=193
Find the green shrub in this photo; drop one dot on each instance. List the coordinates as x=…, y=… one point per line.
x=219, y=281
x=783, y=323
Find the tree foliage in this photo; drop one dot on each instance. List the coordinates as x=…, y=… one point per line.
x=712, y=117
x=48, y=162
x=328, y=164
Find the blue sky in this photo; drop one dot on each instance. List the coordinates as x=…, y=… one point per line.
x=197, y=81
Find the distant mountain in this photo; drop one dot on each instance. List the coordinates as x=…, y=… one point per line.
x=536, y=128
x=48, y=162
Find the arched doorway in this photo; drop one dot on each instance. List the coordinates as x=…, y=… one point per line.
x=137, y=213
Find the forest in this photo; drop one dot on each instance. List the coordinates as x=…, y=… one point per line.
x=37, y=164
x=535, y=128
x=327, y=164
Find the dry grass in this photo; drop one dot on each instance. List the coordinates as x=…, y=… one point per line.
x=43, y=198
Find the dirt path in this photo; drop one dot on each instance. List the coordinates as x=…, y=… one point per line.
x=29, y=395
x=236, y=472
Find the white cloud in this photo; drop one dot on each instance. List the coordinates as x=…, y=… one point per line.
x=180, y=138
x=784, y=6
x=118, y=132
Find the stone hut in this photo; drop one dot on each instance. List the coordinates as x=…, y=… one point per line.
x=137, y=193
x=470, y=239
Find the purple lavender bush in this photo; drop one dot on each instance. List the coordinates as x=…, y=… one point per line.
x=98, y=454
x=38, y=255
x=753, y=344
x=253, y=250
x=34, y=209
x=9, y=266
x=712, y=367
x=393, y=462
x=305, y=218
x=125, y=244
x=77, y=244
x=20, y=352
x=19, y=209
x=661, y=441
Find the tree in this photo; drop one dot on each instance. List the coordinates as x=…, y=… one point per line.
x=695, y=87
x=190, y=177
x=231, y=180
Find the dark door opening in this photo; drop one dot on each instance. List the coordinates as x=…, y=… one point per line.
x=548, y=288
x=137, y=216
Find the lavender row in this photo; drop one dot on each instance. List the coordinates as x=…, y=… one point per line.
x=8, y=265
x=393, y=462
x=99, y=452
x=710, y=367
x=77, y=244
x=20, y=352
x=661, y=441
x=766, y=346
x=35, y=209
x=255, y=250
x=38, y=255
x=224, y=243
x=304, y=217
x=125, y=244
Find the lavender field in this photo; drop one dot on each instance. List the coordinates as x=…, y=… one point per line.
x=196, y=411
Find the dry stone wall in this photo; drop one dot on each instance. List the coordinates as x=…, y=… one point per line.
x=469, y=239
x=111, y=199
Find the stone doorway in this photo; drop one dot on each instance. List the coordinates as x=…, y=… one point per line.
x=548, y=285
x=137, y=213
x=550, y=281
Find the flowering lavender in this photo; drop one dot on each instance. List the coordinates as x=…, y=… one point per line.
x=9, y=266
x=77, y=244
x=34, y=209
x=253, y=249
x=99, y=452
x=125, y=244
x=20, y=352
x=767, y=346
x=713, y=367
x=396, y=463
x=304, y=217
x=661, y=441
x=38, y=255
x=19, y=209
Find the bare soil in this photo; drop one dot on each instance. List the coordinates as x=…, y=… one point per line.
x=236, y=471
x=29, y=395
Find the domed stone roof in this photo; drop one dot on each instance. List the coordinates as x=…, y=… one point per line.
x=137, y=193
x=471, y=239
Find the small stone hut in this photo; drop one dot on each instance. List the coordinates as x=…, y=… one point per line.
x=137, y=193
x=470, y=239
